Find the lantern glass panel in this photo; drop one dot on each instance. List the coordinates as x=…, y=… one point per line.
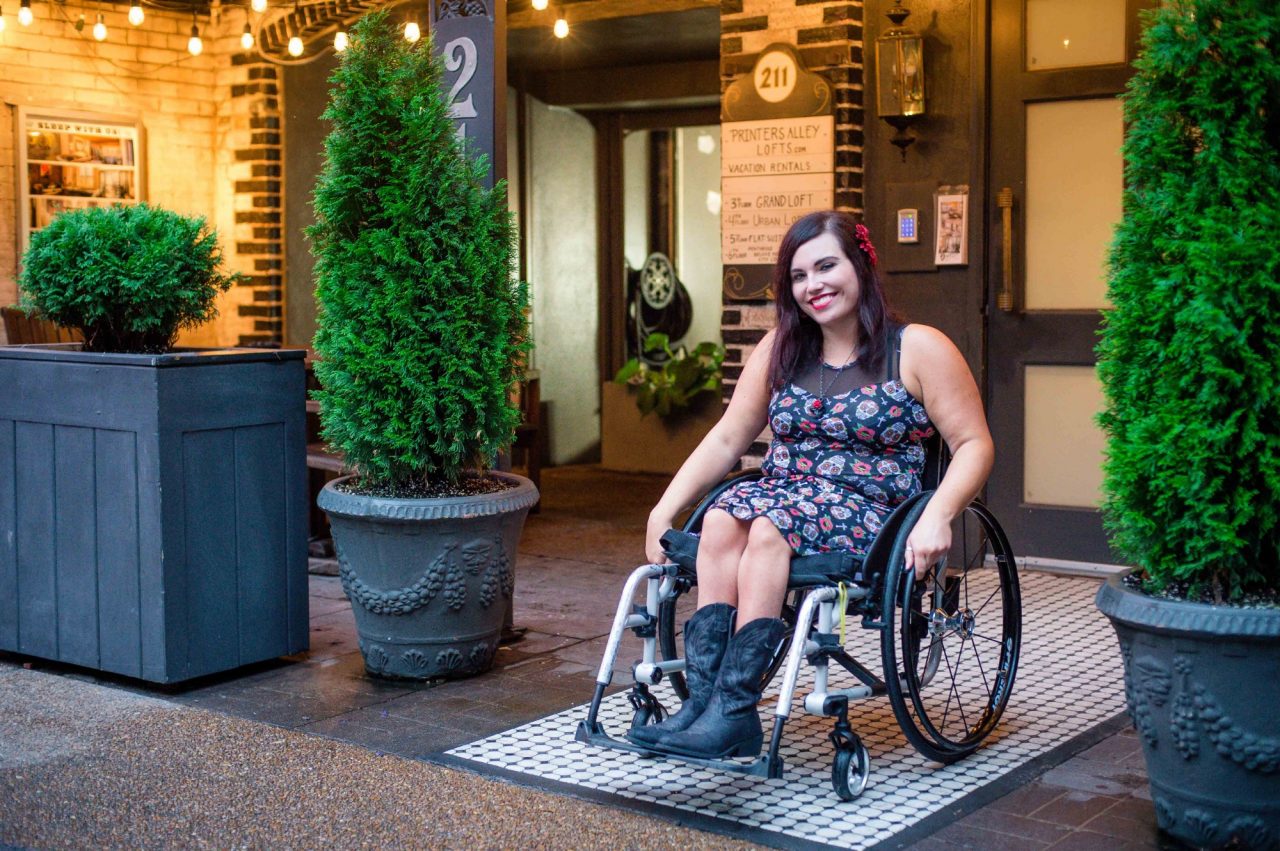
x=899, y=74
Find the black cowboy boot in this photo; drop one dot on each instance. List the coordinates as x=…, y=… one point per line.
x=705, y=636
x=730, y=725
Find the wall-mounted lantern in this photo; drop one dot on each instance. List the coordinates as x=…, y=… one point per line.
x=900, y=76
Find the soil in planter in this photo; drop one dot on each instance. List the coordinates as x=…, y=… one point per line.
x=1268, y=598
x=467, y=486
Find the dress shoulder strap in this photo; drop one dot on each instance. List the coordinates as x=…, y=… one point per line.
x=894, y=355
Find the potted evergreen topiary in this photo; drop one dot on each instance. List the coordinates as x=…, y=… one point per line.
x=155, y=522
x=420, y=338
x=1189, y=360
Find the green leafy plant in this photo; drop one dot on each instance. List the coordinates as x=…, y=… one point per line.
x=421, y=328
x=1189, y=353
x=128, y=276
x=683, y=375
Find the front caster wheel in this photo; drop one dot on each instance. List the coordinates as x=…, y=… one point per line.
x=850, y=770
x=648, y=709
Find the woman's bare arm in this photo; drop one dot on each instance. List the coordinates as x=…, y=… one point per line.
x=716, y=455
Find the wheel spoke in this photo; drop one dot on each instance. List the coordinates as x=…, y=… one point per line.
x=981, y=670
x=955, y=684
x=995, y=641
x=990, y=597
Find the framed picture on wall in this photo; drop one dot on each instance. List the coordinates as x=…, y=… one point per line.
x=72, y=160
x=952, y=217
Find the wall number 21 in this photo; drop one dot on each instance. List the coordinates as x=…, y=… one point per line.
x=461, y=53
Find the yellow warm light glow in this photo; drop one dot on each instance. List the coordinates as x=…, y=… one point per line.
x=259, y=6
x=100, y=29
x=540, y=5
x=295, y=46
x=24, y=15
x=411, y=31
x=561, y=29
x=194, y=45
x=136, y=15
x=340, y=41
x=246, y=38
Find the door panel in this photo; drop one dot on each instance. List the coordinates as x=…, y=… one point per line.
x=1055, y=137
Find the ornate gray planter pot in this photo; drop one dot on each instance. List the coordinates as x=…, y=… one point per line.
x=1203, y=686
x=429, y=579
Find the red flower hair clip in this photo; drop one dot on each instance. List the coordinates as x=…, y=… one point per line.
x=864, y=242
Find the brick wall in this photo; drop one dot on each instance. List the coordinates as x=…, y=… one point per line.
x=184, y=104
x=828, y=36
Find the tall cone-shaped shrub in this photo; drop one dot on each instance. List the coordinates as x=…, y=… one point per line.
x=421, y=325
x=1190, y=354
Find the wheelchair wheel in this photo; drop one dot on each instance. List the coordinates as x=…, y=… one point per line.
x=669, y=646
x=850, y=770
x=951, y=639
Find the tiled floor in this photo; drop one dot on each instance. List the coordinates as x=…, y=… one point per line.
x=1069, y=681
x=573, y=559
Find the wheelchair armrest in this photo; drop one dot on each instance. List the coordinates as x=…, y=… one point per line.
x=682, y=548
x=694, y=523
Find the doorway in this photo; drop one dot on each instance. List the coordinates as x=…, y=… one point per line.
x=1056, y=176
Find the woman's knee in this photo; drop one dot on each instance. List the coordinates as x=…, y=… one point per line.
x=722, y=534
x=765, y=544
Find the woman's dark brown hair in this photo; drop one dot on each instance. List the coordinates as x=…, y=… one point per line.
x=798, y=342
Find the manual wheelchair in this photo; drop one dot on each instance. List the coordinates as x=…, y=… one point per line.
x=949, y=643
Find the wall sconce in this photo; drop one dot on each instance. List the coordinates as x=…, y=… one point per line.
x=900, y=77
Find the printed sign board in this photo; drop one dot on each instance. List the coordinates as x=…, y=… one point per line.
x=777, y=164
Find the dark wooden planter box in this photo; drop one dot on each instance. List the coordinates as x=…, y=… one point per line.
x=153, y=514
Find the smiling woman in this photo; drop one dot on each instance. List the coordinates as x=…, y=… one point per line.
x=850, y=397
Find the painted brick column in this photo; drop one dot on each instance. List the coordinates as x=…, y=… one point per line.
x=253, y=136
x=828, y=36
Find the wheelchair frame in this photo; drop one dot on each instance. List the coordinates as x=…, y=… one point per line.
x=886, y=588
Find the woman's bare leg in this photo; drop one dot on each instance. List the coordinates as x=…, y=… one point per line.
x=724, y=538
x=762, y=573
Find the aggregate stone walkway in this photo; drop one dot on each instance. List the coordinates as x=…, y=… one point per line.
x=309, y=752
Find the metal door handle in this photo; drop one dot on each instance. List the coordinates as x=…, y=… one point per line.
x=1005, y=298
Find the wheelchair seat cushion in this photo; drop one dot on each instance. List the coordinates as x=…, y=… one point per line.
x=817, y=569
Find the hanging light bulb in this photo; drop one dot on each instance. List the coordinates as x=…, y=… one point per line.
x=80, y=23
x=100, y=29
x=246, y=37
x=540, y=5
x=295, y=46
x=24, y=13
x=1, y=19
x=340, y=41
x=561, y=28
x=411, y=32
x=136, y=15
x=259, y=6
x=194, y=45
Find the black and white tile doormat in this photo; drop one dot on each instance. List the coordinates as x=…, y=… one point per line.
x=1069, y=680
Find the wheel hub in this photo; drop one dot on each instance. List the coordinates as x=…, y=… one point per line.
x=962, y=623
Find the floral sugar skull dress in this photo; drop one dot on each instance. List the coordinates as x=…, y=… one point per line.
x=837, y=465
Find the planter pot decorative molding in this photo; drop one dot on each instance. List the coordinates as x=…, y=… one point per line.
x=429, y=579
x=153, y=508
x=1202, y=684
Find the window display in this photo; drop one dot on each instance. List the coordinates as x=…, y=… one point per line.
x=73, y=161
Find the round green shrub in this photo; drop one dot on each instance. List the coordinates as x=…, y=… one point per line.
x=1190, y=354
x=128, y=276
x=421, y=328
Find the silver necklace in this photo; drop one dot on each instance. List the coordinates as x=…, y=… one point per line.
x=849, y=361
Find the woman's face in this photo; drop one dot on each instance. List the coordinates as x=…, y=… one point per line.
x=823, y=281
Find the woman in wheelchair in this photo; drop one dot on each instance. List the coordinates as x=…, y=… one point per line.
x=847, y=447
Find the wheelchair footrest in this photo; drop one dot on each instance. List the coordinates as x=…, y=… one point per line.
x=596, y=735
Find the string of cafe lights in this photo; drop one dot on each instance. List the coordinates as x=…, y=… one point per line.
x=249, y=37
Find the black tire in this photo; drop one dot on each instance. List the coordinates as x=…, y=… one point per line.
x=952, y=639
x=850, y=770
